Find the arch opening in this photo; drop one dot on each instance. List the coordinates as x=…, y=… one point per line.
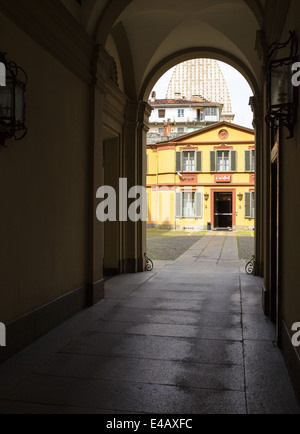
x=197, y=150
x=194, y=53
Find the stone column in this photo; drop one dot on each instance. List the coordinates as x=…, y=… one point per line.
x=134, y=170
x=101, y=69
x=257, y=108
x=143, y=128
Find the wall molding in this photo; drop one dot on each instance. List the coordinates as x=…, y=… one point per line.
x=51, y=26
x=95, y=292
x=26, y=330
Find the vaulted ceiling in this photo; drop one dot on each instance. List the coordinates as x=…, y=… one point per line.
x=152, y=36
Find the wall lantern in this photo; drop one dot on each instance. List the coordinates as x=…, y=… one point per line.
x=12, y=101
x=282, y=95
x=206, y=196
x=240, y=196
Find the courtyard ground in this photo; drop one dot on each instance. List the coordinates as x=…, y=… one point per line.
x=188, y=338
x=166, y=245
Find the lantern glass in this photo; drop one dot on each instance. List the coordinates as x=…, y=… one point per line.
x=6, y=103
x=281, y=86
x=13, y=81
x=19, y=103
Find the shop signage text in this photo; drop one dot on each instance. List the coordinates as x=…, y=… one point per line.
x=188, y=178
x=223, y=179
x=2, y=335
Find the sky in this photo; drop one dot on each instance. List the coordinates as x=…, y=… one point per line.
x=239, y=90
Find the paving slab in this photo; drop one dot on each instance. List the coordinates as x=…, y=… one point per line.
x=156, y=347
x=173, y=330
x=258, y=327
x=135, y=397
x=29, y=408
x=158, y=301
x=210, y=319
x=163, y=372
x=269, y=389
x=212, y=297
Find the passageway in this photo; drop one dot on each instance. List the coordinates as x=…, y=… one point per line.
x=188, y=338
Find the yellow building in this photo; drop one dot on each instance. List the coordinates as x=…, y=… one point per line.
x=203, y=180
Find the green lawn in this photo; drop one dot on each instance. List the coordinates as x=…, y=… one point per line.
x=169, y=245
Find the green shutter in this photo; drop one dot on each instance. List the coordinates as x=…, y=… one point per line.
x=178, y=205
x=178, y=165
x=248, y=205
x=253, y=204
x=248, y=161
x=199, y=205
x=198, y=161
x=253, y=163
x=213, y=161
x=233, y=161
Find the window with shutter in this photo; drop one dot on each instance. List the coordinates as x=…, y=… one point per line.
x=223, y=161
x=188, y=204
x=178, y=205
x=248, y=205
x=178, y=163
x=250, y=161
x=247, y=161
x=233, y=161
x=213, y=161
x=253, y=204
x=199, y=205
x=188, y=161
x=253, y=161
x=198, y=161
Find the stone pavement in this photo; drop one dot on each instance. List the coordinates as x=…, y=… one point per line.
x=188, y=338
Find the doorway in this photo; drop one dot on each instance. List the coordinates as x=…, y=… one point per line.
x=223, y=214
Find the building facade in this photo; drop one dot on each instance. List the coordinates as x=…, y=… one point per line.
x=204, y=180
x=172, y=118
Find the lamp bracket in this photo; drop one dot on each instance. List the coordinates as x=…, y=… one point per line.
x=285, y=113
x=12, y=124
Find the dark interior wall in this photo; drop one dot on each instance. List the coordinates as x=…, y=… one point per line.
x=290, y=205
x=44, y=184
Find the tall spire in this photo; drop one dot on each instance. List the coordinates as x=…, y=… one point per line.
x=200, y=77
